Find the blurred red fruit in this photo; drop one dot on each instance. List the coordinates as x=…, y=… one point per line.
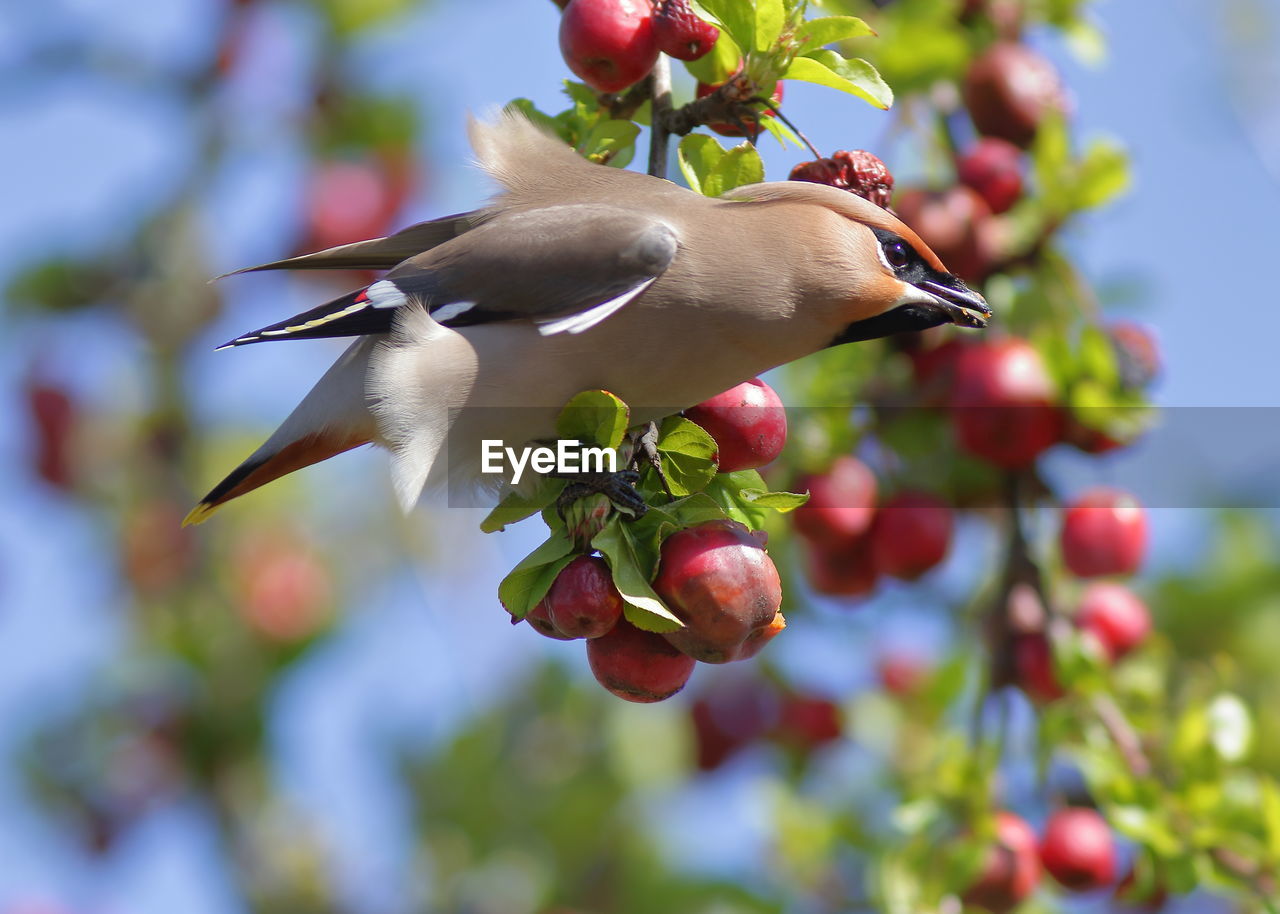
x=748, y=423
x=1114, y=615
x=679, y=31
x=351, y=201
x=910, y=534
x=1010, y=870
x=1009, y=90
x=807, y=722
x=583, y=601
x=952, y=223
x=750, y=121
x=719, y=581
x=901, y=673
x=283, y=589
x=841, y=504
x=1078, y=849
x=1033, y=668
x=847, y=571
x=993, y=168
x=637, y=665
x=857, y=171
x=608, y=44
x=1003, y=403
x=53, y=413
x=933, y=368
x=1104, y=532
x=729, y=718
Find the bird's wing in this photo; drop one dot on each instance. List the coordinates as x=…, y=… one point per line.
x=377, y=253
x=566, y=268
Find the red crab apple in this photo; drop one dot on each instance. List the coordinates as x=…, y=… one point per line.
x=608, y=44
x=53, y=412
x=841, y=505
x=857, y=171
x=637, y=665
x=1104, y=532
x=750, y=121
x=844, y=571
x=808, y=721
x=729, y=717
x=1115, y=616
x=1002, y=405
x=1009, y=90
x=352, y=200
x=1010, y=870
x=540, y=618
x=284, y=589
x=910, y=534
x=954, y=223
x=748, y=423
x=680, y=32
x=1078, y=849
x=583, y=601
x=1033, y=668
x=993, y=167
x=719, y=581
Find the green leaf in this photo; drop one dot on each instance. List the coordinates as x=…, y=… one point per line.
x=517, y=505
x=696, y=509
x=530, y=580
x=1271, y=816
x=688, y=455
x=740, y=165
x=776, y=501
x=1104, y=175
x=734, y=16
x=817, y=33
x=719, y=64
x=770, y=18
x=594, y=417
x=1097, y=357
x=854, y=76
x=644, y=608
x=1230, y=727
x=610, y=142
x=698, y=155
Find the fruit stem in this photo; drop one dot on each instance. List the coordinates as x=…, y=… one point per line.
x=659, y=134
x=777, y=112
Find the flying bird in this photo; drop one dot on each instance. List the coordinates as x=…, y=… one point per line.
x=578, y=276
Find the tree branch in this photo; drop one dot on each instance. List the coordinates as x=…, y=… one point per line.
x=659, y=134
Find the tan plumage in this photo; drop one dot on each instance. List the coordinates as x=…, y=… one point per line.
x=579, y=276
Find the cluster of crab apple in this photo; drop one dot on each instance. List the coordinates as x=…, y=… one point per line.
x=715, y=577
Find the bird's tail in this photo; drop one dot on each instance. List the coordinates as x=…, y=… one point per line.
x=332, y=418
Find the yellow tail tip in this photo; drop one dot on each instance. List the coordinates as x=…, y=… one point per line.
x=199, y=514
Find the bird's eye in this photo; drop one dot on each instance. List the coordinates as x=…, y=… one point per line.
x=896, y=253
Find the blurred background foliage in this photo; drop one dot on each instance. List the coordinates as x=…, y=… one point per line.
x=314, y=704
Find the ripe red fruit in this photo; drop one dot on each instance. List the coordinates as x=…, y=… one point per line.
x=756, y=641
x=719, y=581
x=351, y=201
x=284, y=590
x=582, y=601
x=748, y=423
x=1033, y=668
x=750, y=121
x=857, y=171
x=933, y=367
x=608, y=44
x=1104, y=532
x=637, y=665
x=841, y=504
x=680, y=33
x=952, y=222
x=1002, y=403
x=729, y=718
x=53, y=413
x=993, y=167
x=540, y=618
x=1078, y=849
x=910, y=534
x=807, y=722
x=901, y=673
x=1114, y=615
x=1009, y=90
x=847, y=571
x=1010, y=870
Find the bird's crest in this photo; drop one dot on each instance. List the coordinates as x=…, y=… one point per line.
x=518, y=154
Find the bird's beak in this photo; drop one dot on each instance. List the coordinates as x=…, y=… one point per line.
x=958, y=302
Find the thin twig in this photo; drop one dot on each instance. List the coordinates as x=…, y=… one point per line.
x=660, y=92
x=1123, y=735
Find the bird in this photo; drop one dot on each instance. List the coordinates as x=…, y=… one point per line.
x=580, y=276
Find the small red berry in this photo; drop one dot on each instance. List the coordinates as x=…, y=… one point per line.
x=583, y=601
x=53, y=412
x=748, y=423
x=910, y=534
x=350, y=200
x=637, y=665
x=1003, y=403
x=846, y=571
x=680, y=32
x=1034, y=671
x=1078, y=849
x=750, y=119
x=1010, y=870
x=993, y=167
x=1009, y=90
x=901, y=672
x=608, y=44
x=807, y=722
x=1115, y=616
x=857, y=171
x=540, y=618
x=841, y=504
x=729, y=718
x=1104, y=532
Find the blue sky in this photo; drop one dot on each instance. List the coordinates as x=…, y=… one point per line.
x=85, y=156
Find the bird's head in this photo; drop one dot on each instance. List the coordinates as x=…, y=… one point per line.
x=897, y=284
